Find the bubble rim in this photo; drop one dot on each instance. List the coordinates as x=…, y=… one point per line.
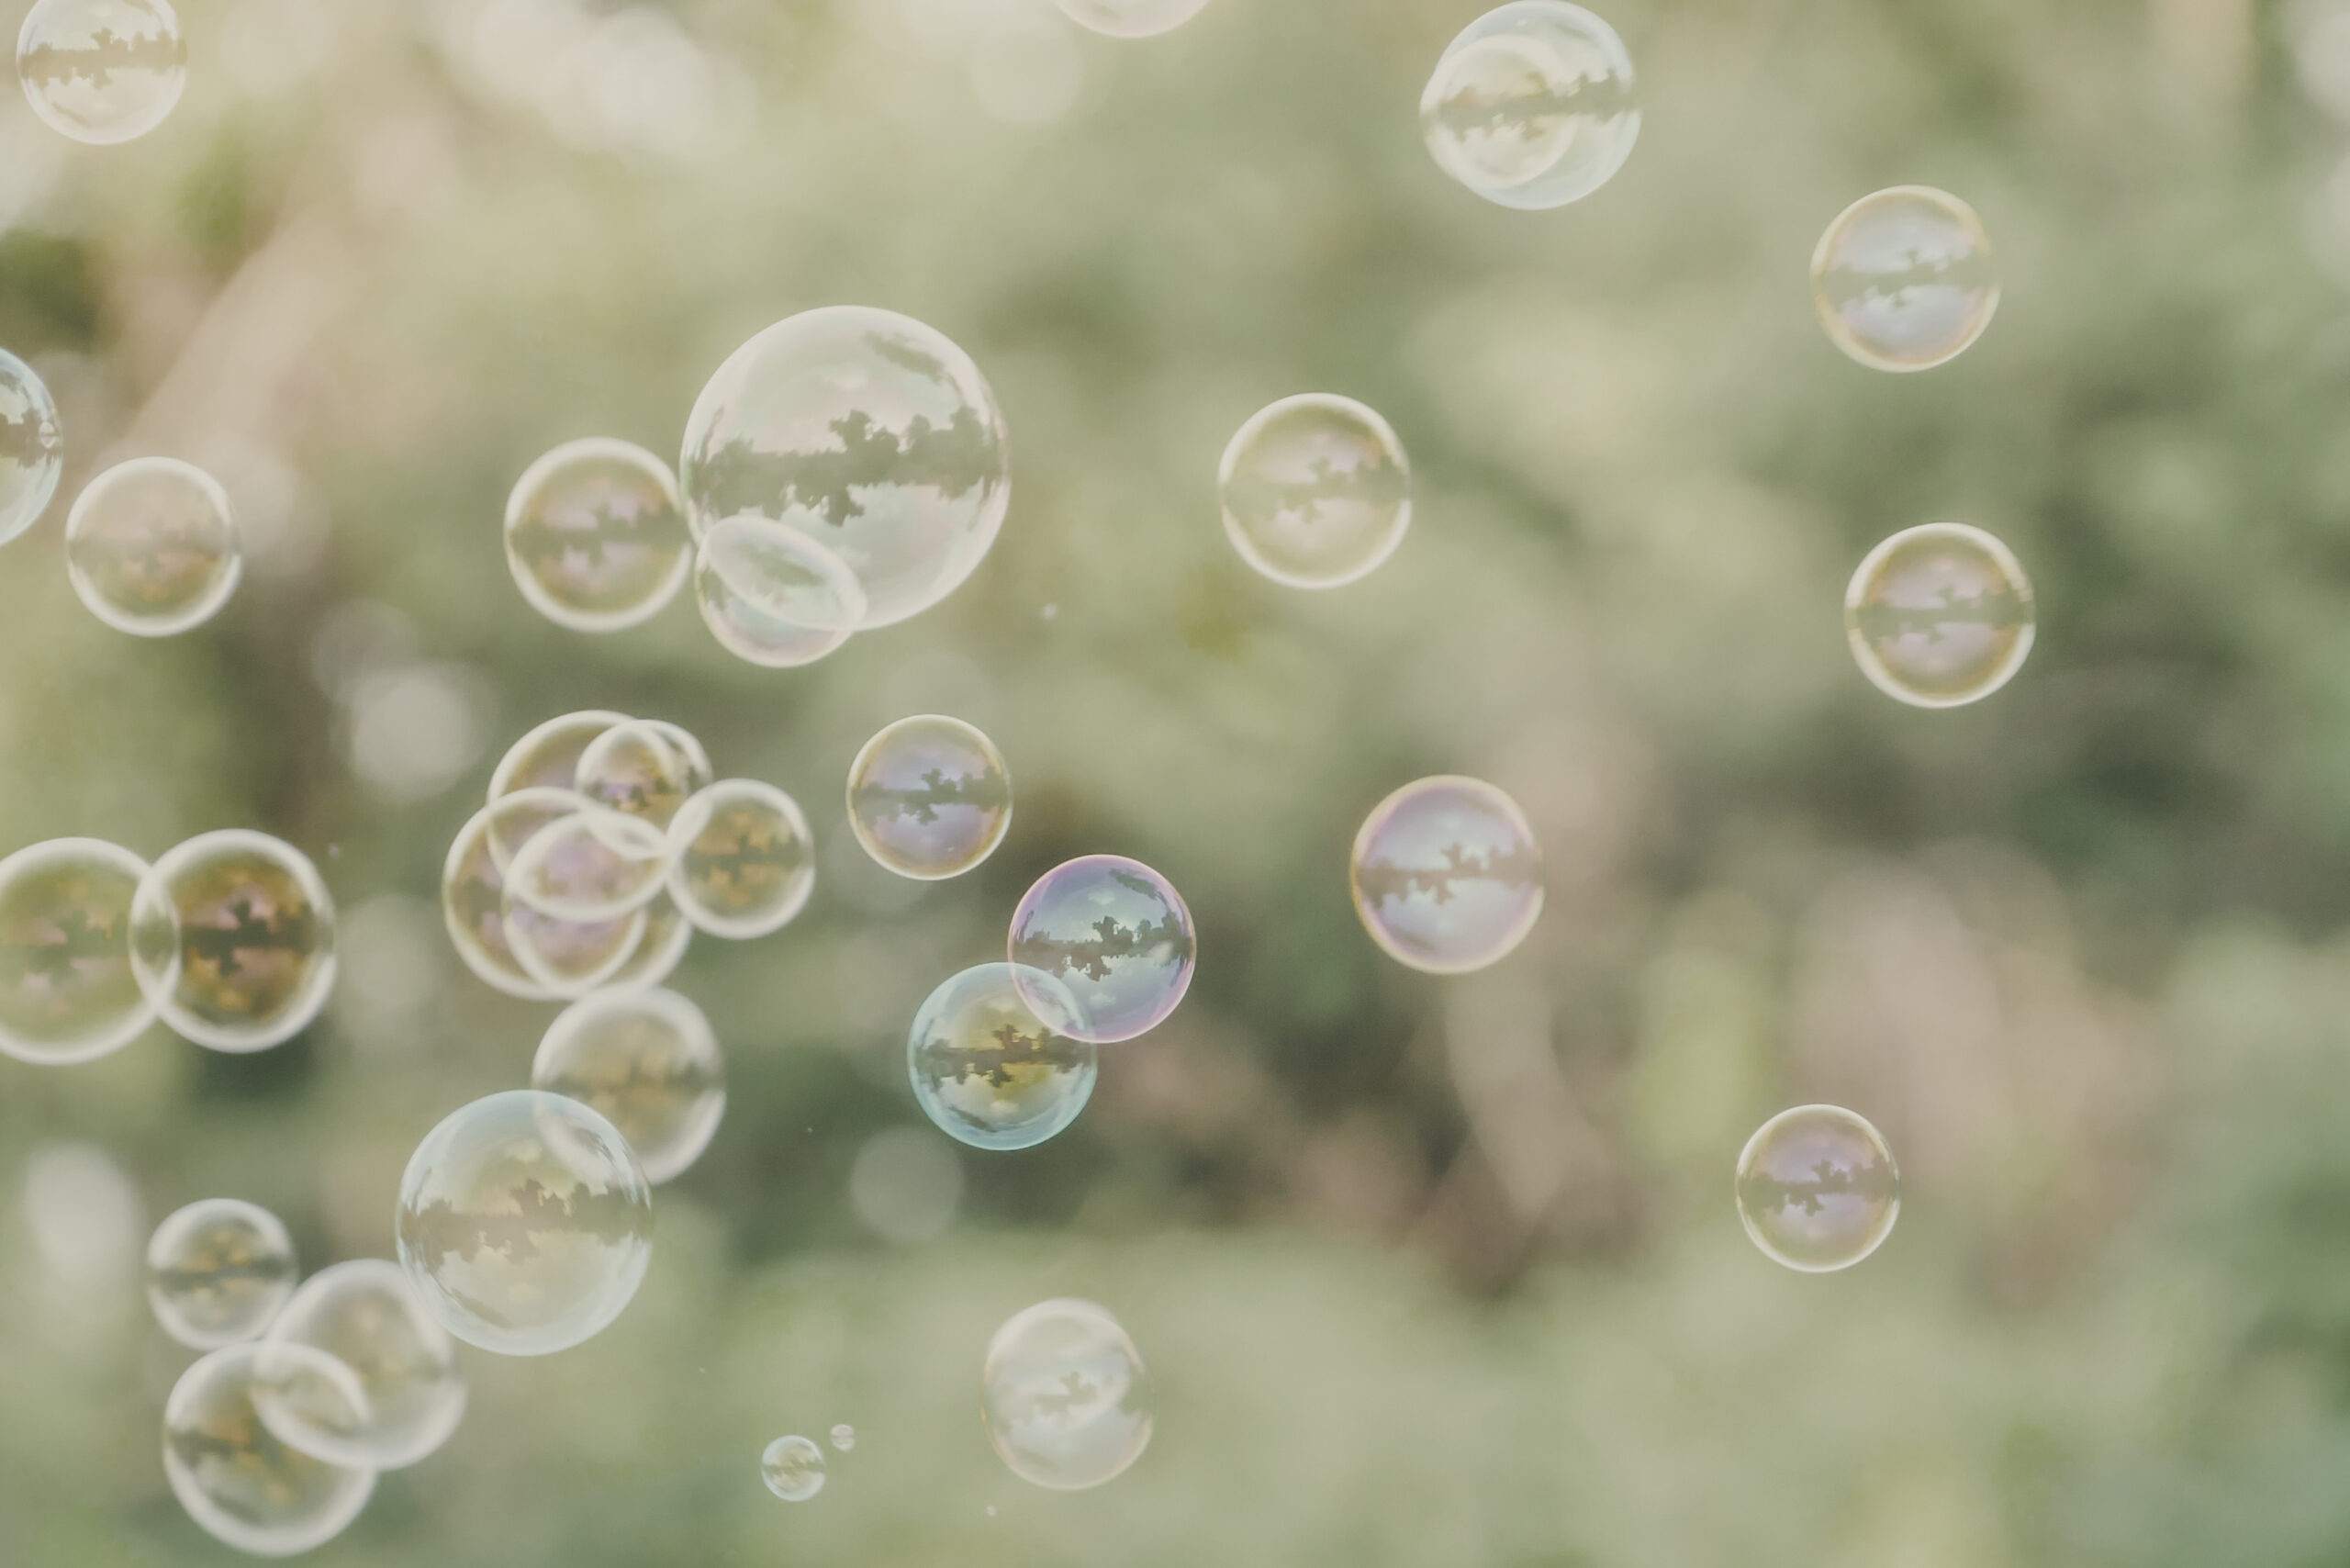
x=318, y=986
x=1876, y=1138
x=35, y=858
x=1832, y=323
x=980, y=742
x=1873, y=667
x=217, y=593
x=592, y=623
x=1378, y=818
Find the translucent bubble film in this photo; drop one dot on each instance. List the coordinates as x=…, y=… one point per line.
x=1939, y=615
x=67, y=990
x=1817, y=1189
x=1532, y=105
x=929, y=797
x=988, y=1070
x=1447, y=875
x=1905, y=279
x=152, y=548
x=1066, y=1397
x=1115, y=940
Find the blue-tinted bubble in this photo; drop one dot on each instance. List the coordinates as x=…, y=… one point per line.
x=233, y=939
x=596, y=535
x=1532, y=105
x=32, y=452
x=1817, y=1189
x=1116, y=936
x=235, y=1478
x=102, y=71
x=793, y=1468
x=987, y=1069
x=151, y=547
x=217, y=1271
x=929, y=797
x=1447, y=875
x=1065, y=1396
x=67, y=991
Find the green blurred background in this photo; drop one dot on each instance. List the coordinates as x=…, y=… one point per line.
x=1427, y=1271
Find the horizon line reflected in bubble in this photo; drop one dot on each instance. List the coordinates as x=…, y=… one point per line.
x=929, y=797
x=1816, y=1188
x=1447, y=876
x=1065, y=1396
x=1115, y=936
x=1532, y=105
x=1939, y=615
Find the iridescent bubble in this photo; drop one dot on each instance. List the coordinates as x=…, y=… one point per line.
x=525, y=1223
x=1532, y=105
x=472, y=907
x=241, y=1483
x=102, y=71
x=699, y=774
x=649, y=1063
x=929, y=797
x=67, y=993
x=1447, y=876
x=32, y=452
x=217, y=1271
x=521, y=815
x=548, y=758
x=1131, y=18
x=1316, y=491
x=596, y=535
x=233, y=939
x=633, y=771
x=987, y=1069
x=1905, y=279
x=794, y=1468
x=151, y=547
x=569, y=870
x=1939, y=615
x=569, y=957
x=1118, y=938
x=367, y=1316
x=873, y=430
x=843, y=1436
x=771, y=594
x=1065, y=1396
x=1817, y=1189
x=743, y=862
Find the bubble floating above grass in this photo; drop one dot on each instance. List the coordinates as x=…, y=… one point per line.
x=241, y=1483
x=929, y=797
x=1117, y=939
x=1316, y=491
x=151, y=547
x=1532, y=105
x=32, y=449
x=1939, y=615
x=1818, y=1190
x=596, y=535
x=1065, y=1397
x=647, y=1061
x=793, y=1468
x=1131, y=18
x=368, y=1318
x=525, y=1223
x=102, y=72
x=1905, y=279
x=987, y=1069
x=233, y=938
x=67, y=990
x=744, y=863
x=1447, y=875
x=217, y=1273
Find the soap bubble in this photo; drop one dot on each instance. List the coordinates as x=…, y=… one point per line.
x=1447, y=876
x=235, y=1478
x=1905, y=279
x=1817, y=1189
x=519, y=816
x=794, y=1468
x=569, y=957
x=217, y=1271
x=1532, y=105
x=367, y=1316
x=596, y=535
x=1065, y=1396
x=1316, y=491
x=668, y=934
x=67, y=993
x=32, y=452
x=102, y=71
x=633, y=772
x=1131, y=18
x=151, y=547
x=1938, y=615
x=843, y=1436
x=874, y=433
x=771, y=594
x=699, y=774
x=647, y=1061
x=472, y=907
x=987, y=1069
x=525, y=1223
x=548, y=758
x=929, y=797
x=233, y=939
x=570, y=870
x=744, y=862
x=1118, y=938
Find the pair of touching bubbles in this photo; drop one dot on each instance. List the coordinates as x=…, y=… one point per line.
x=230, y=939
x=793, y=1466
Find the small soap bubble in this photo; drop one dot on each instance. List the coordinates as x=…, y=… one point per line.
x=794, y=1468
x=521, y=815
x=929, y=797
x=32, y=451
x=233, y=939
x=217, y=1271
x=569, y=957
x=843, y=1436
x=1118, y=938
x=649, y=1063
x=150, y=546
x=1447, y=876
x=472, y=907
x=874, y=433
x=525, y=1223
x=1817, y=1189
x=771, y=594
x=237, y=1480
x=1532, y=105
x=1905, y=279
x=1316, y=491
x=1131, y=18
x=548, y=758
x=1065, y=1396
x=596, y=535
x=366, y=1316
x=102, y=71
x=744, y=862
x=67, y=993
x=633, y=771
x=1939, y=615
x=569, y=870
x=988, y=1070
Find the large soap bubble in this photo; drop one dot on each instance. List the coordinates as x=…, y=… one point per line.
x=987, y=1069
x=1939, y=615
x=596, y=535
x=649, y=1062
x=32, y=451
x=1316, y=491
x=1065, y=1396
x=929, y=797
x=217, y=1271
x=102, y=71
x=367, y=1316
x=67, y=993
x=233, y=939
x=872, y=432
x=1905, y=279
x=1117, y=937
x=235, y=1478
x=1447, y=876
x=525, y=1223
x=744, y=862
x=1532, y=105
x=1817, y=1189
x=151, y=547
